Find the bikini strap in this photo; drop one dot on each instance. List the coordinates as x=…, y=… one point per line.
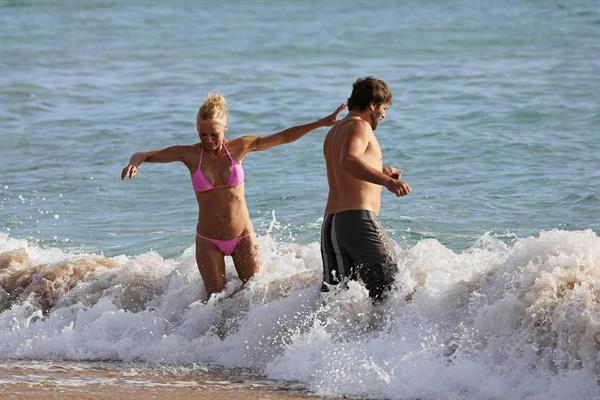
x=226, y=150
x=229, y=154
x=201, y=154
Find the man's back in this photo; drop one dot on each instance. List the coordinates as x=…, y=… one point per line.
x=346, y=139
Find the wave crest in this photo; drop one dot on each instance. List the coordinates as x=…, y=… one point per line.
x=520, y=317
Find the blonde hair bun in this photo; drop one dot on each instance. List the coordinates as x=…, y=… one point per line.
x=214, y=109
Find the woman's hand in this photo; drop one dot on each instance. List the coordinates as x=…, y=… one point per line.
x=131, y=169
x=332, y=118
x=129, y=172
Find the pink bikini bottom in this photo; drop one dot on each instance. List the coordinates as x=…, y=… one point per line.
x=226, y=246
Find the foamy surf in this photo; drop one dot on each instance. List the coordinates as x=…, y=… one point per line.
x=496, y=321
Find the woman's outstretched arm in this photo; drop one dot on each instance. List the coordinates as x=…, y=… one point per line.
x=168, y=154
x=258, y=143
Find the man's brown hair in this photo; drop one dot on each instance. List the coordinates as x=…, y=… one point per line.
x=369, y=90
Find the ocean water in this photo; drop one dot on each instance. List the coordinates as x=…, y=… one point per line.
x=495, y=124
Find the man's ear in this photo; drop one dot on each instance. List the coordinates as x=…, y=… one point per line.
x=372, y=107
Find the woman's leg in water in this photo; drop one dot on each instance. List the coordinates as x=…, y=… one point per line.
x=246, y=258
x=211, y=265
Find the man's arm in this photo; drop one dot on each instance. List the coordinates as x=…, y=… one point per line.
x=354, y=145
x=391, y=171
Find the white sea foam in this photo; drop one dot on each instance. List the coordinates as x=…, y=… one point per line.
x=493, y=322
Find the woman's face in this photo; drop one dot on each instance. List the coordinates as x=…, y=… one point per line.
x=211, y=134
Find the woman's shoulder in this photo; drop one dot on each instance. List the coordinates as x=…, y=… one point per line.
x=240, y=146
x=187, y=148
x=188, y=153
x=184, y=149
x=241, y=142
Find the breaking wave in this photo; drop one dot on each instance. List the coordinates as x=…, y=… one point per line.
x=519, y=320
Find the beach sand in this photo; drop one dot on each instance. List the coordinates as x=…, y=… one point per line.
x=25, y=379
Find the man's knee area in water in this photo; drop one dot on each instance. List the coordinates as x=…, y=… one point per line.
x=376, y=277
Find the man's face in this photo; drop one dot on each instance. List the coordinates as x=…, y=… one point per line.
x=378, y=114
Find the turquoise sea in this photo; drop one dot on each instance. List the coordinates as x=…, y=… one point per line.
x=495, y=124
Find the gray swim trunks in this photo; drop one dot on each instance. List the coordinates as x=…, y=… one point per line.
x=355, y=246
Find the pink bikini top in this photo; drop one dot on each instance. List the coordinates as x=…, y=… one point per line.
x=201, y=184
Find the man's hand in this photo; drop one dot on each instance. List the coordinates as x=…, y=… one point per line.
x=392, y=172
x=398, y=187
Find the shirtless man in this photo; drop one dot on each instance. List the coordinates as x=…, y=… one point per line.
x=353, y=242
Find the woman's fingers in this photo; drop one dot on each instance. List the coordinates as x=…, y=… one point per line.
x=339, y=109
x=128, y=172
x=332, y=119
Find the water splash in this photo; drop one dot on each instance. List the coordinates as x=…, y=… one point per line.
x=494, y=321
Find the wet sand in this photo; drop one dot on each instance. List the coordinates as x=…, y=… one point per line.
x=25, y=379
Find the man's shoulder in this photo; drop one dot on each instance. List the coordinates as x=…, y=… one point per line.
x=359, y=130
x=355, y=126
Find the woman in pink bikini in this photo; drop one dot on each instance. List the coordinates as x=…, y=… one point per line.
x=224, y=227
